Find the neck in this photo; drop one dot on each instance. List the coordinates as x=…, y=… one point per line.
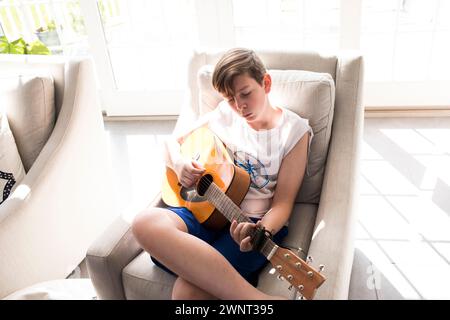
x=268, y=119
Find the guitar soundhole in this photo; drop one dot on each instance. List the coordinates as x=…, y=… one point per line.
x=204, y=184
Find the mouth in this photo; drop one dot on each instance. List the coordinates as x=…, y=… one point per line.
x=247, y=115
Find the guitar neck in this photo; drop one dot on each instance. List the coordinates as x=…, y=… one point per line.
x=232, y=212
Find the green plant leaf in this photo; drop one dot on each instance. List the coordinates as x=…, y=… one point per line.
x=4, y=45
x=37, y=47
x=18, y=46
x=51, y=25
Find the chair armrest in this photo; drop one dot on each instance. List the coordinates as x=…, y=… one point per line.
x=332, y=242
x=110, y=253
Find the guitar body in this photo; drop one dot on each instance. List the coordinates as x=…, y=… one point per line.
x=204, y=147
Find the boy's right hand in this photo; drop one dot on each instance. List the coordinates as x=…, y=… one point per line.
x=188, y=172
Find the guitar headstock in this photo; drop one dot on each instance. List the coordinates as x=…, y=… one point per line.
x=302, y=276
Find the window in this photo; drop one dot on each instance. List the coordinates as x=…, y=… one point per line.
x=290, y=24
x=148, y=41
x=58, y=24
x=407, y=54
x=147, y=45
x=141, y=47
x=413, y=33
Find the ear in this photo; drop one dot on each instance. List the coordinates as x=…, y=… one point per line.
x=267, y=82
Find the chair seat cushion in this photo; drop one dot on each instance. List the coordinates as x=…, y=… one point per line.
x=29, y=102
x=142, y=279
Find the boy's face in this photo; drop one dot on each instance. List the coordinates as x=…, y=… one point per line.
x=250, y=97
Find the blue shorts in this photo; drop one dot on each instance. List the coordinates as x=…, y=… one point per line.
x=248, y=264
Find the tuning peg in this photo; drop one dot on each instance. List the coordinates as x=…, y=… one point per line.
x=310, y=274
x=298, y=265
x=301, y=287
x=279, y=267
x=300, y=297
x=290, y=287
x=287, y=255
x=321, y=267
x=290, y=277
x=300, y=250
x=309, y=260
x=280, y=277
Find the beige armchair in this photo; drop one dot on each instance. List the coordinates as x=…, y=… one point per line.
x=65, y=201
x=321, y=223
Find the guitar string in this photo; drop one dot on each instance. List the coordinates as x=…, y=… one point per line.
x=224, y=204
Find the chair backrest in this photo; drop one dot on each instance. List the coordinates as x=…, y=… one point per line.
x=57, y=71
x=339, y=74
x=53, y=66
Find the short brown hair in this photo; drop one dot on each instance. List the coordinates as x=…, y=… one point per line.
x=233, y=63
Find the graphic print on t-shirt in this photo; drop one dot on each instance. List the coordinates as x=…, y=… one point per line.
x=254, y=167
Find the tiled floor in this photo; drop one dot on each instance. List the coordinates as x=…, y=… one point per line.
x=403, y=239
x=403, y=236
x=137, y=160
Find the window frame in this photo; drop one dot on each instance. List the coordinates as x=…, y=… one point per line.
x=381, y=94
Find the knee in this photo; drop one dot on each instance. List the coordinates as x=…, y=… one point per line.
x=144, y=224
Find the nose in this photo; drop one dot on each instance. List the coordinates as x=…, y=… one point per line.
x=240, y=105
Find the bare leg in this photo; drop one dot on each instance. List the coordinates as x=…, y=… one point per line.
x=192, y=259
x=184, y=290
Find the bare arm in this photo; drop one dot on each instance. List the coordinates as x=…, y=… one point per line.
x=172, y=144
x=187, y=171
x=290, y=178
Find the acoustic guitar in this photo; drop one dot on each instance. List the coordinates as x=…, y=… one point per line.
x=215, y=199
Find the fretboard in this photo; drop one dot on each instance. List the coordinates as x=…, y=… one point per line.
x=232, y=212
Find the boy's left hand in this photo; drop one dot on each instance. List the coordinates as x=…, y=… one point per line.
x=240, y=232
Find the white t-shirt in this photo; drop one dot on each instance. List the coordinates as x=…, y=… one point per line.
x=260, y=153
